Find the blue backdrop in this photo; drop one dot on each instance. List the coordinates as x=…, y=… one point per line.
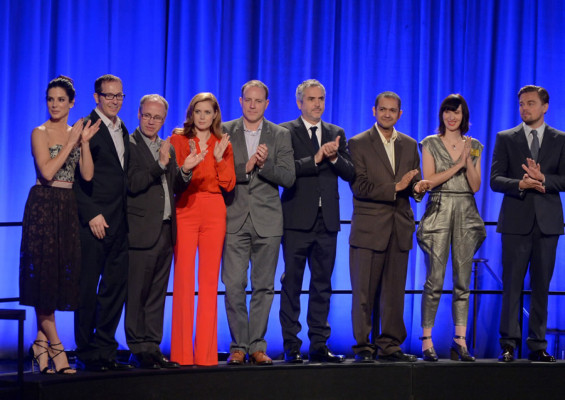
x=423, y=50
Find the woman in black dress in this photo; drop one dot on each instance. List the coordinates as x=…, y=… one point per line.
x=50, y=249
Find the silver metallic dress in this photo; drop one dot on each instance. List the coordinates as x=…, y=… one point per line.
x=451, y=220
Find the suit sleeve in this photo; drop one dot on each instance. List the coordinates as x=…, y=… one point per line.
x=279, y=167
x=499, y=180
x=364, y=188
x=180, y=183
x=555, y=182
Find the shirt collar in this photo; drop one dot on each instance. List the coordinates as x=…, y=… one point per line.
x=148, y=142
x=392, y=138
x=250, y=132
x=308, y=125
x=107, y=121
x=540, y=130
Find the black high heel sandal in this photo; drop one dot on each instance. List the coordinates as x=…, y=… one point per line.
x=65, y=370
x=459, y=352
x=429, y=354
x=35, y=357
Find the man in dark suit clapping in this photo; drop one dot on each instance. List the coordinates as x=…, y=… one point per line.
x=311, y=222
x=153, y=179
x=528, y=166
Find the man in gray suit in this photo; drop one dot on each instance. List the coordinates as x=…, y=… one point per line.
x=153, y=179
x=263, y=161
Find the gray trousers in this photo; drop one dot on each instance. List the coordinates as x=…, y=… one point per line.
x=248, y=328
x=450, y=221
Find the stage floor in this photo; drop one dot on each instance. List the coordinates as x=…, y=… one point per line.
x=484, y=379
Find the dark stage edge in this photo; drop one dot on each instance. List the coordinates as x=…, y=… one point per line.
x=484, y=379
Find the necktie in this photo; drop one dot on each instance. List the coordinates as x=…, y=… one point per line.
x=314, y=139
x=535, y=145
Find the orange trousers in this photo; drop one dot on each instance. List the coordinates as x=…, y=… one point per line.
x=200, y=225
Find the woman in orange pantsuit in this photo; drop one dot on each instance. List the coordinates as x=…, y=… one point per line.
x=201, y=223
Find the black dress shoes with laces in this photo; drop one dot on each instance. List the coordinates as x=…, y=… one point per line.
x=398, y=356
x=364, y=357
x=323, y=354
x=507, y=354
x=91, y=366
x=115, y=365
x=540, y=356
x=293, y=357
x=164, y=362
x=143, y=360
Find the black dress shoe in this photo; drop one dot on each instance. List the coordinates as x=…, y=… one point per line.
x=293, y=357
x=365, y=357
x=323, y=354
x=164, y=362
x=115, y=365
x=507, y=354
x=91, y=366
x=143, y=360
x=398, y=356
x=540, y=356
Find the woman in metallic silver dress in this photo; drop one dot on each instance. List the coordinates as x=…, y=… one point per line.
x=451, y=161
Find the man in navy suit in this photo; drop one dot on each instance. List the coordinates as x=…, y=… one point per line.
x=528, y=166
x=311, y=222
x=102, y=212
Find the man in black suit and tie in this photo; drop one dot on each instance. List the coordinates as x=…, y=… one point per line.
x=102, y=212
x=528, y=166
x=311, y=222
x=153, y=180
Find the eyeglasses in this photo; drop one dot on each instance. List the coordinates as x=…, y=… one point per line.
x=156, y=118
x=111, y=96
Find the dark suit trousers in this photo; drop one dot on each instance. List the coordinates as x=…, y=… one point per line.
x=318, y=247
x=537, y=250
x=148, y=278
x=103, y=283
x=373, y=272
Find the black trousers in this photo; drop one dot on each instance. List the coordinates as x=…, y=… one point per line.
x=537, y=251
x=318, y=247
x=148, y=277
x=103, y=285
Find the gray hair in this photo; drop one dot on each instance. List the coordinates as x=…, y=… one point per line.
x=255, y=83
x=154, y=97
x=305, y=85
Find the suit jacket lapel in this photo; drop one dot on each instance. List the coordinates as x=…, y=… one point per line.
x=303, y=135
x=547, y=142
x=520, y=138
x=398, y=149
x=380, y=149
x=104, y=133
x=238, y=138
x=148, y=158
x=325, y=133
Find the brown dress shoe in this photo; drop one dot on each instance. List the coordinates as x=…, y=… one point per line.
x=260, y=358
x=237, y=357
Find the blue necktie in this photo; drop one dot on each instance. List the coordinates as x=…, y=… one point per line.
x=314, y=139
x=535, y=145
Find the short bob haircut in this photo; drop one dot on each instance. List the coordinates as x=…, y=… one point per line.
x=188, y=126
x=452, y=103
